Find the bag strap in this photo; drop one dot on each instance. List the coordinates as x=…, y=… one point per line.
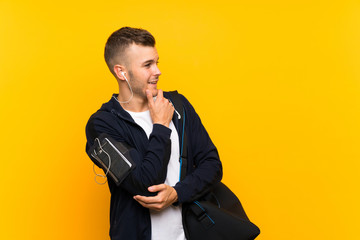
x=201, y=215
x=176, y=101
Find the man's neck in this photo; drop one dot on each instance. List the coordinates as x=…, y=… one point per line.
x=135, y=105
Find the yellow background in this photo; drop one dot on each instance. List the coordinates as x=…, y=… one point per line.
x=276, y=84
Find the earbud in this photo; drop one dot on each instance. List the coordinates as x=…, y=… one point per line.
x=122, y=73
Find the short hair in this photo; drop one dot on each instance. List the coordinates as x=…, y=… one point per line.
x=123, y=38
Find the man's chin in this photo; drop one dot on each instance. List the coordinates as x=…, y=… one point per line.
x=154, y=92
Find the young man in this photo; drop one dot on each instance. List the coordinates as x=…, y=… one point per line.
x=147, y=205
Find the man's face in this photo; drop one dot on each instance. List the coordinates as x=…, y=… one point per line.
x=143, y=72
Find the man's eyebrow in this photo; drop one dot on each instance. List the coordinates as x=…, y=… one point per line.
x=150, y=61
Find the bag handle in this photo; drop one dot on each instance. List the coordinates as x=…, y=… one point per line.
x=201, y=215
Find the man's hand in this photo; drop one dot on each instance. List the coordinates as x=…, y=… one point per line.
x=161, y=111
x=166, y=196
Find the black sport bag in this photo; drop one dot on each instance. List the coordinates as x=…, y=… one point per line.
x=218, y=216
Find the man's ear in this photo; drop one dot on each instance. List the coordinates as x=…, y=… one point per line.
x=118, y=69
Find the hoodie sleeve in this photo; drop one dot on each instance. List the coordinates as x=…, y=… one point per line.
x=207, y=168
x=151, y=167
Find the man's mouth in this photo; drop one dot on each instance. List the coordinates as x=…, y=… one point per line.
x=153, y=82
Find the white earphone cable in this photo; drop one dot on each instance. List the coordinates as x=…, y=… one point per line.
x=108, y=169
x=132, y=93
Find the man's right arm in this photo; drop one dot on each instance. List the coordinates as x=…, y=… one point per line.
x=151, y=167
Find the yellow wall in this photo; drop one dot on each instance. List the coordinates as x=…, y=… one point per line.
x=276, y=84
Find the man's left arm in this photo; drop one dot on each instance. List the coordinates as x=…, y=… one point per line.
x=207, y=168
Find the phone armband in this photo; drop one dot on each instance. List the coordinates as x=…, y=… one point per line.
x=113, y=157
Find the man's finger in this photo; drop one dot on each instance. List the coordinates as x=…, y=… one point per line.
x=156, y=188
x=150, y=202
x=149, y=97
x=156, y=207
x=147, y=200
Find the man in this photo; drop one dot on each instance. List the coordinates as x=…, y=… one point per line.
x=147, y=205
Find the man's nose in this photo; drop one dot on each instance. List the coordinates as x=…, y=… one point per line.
x=157, y=71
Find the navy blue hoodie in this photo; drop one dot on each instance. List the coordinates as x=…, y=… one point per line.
x=128, y=219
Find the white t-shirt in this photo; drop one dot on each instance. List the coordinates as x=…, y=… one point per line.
x=166, y=224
